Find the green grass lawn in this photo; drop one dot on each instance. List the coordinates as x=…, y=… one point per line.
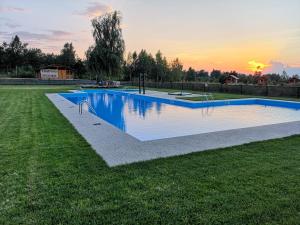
x=217, y=96
x=50, y=175
x=223, y=96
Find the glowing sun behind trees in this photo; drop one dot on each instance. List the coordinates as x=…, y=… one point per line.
x=257, y=67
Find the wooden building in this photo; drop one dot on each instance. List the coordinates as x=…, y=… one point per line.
x=263, y=80
x=231, y=79
x=56, y=72
x=294, y=80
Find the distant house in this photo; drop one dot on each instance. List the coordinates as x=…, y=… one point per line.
x=56, y=72
x=231, y=79
x=294, y=80
x=263, y=80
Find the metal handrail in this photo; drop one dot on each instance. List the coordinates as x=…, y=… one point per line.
x=80, y=105
x=208, y=97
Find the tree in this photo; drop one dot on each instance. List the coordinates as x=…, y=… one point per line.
x=191, y=74
x=161, y=67
x=67, y=55
x=105, y=57
x=203, y=75
x=176, y=70
x=49, y=59
x=15, y=53
x=2, y=57
x=144, y=64
x=79, y=69
x=34, y=57
x=129, y=65
x=92, y=63
x=215, y=75
x=17, y=58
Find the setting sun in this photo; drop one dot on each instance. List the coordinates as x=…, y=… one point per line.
x=257, y=66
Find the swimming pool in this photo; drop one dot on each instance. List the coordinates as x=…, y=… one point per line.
x=150, y=118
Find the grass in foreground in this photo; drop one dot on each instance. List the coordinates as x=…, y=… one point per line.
x=50, y=175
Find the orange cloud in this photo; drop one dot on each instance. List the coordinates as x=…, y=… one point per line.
x=95, y=9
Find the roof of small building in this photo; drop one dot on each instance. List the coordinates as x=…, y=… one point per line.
x=263, y=78
x=234, y=77
x=54, y=66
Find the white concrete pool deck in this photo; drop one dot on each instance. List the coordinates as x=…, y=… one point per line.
x=161, y=94
x=119, y=148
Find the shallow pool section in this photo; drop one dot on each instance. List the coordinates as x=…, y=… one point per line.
x=150, y=118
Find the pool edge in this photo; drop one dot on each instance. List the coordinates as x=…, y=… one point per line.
x=118, y=148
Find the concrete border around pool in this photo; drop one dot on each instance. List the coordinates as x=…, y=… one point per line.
x=119, y=148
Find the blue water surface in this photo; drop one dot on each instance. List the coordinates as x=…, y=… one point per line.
x=150, y=118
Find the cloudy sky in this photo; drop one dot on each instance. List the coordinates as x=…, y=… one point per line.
x=205, y=34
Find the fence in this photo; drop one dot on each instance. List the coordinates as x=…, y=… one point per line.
x=33, y=81
x=244, y=89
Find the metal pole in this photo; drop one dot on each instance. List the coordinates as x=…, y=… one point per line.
x=182, y=86
x=140, y=83
x=144, y=83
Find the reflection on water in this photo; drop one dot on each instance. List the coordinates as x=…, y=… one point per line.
x=150, y=120
x=112, y=107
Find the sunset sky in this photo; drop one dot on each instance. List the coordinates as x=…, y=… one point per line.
x=205, y=34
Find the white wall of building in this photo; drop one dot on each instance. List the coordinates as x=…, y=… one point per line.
x=49, y=74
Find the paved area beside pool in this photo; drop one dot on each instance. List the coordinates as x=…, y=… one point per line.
x=161, y=94
x=119, y=148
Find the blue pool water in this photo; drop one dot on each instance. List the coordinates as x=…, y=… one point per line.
x=150, y=118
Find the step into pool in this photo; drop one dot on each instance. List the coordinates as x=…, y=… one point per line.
x=150, y=118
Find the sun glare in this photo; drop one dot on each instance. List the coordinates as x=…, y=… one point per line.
x=257, y=66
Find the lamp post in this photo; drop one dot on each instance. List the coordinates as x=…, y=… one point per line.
x=144, y=75
x=140, y=83
x=182, y=85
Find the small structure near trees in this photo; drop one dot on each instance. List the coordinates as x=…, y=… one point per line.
x=56, y=72
x=263, y=80
x=231, y=79
x=294, y=80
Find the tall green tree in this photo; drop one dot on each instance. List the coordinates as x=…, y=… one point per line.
x=161, y=67
x=145, y=64
x=15, y=53
x=191, y=74
x=79, y=69
x=202, y=75
x=2, y=56
x=130, y=66
x=34, y=57
x=215, y=75
x=176, y=70
x=67, y=55
x=105, y=57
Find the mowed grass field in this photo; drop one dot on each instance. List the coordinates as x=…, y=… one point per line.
x=50, y=175
x=216, y=96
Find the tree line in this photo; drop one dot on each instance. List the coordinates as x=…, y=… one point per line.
x=17, y=59
x=105, y=60
x=158, y=69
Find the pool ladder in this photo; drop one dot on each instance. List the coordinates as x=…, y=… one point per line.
x=85, y=101
x=209, y=97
